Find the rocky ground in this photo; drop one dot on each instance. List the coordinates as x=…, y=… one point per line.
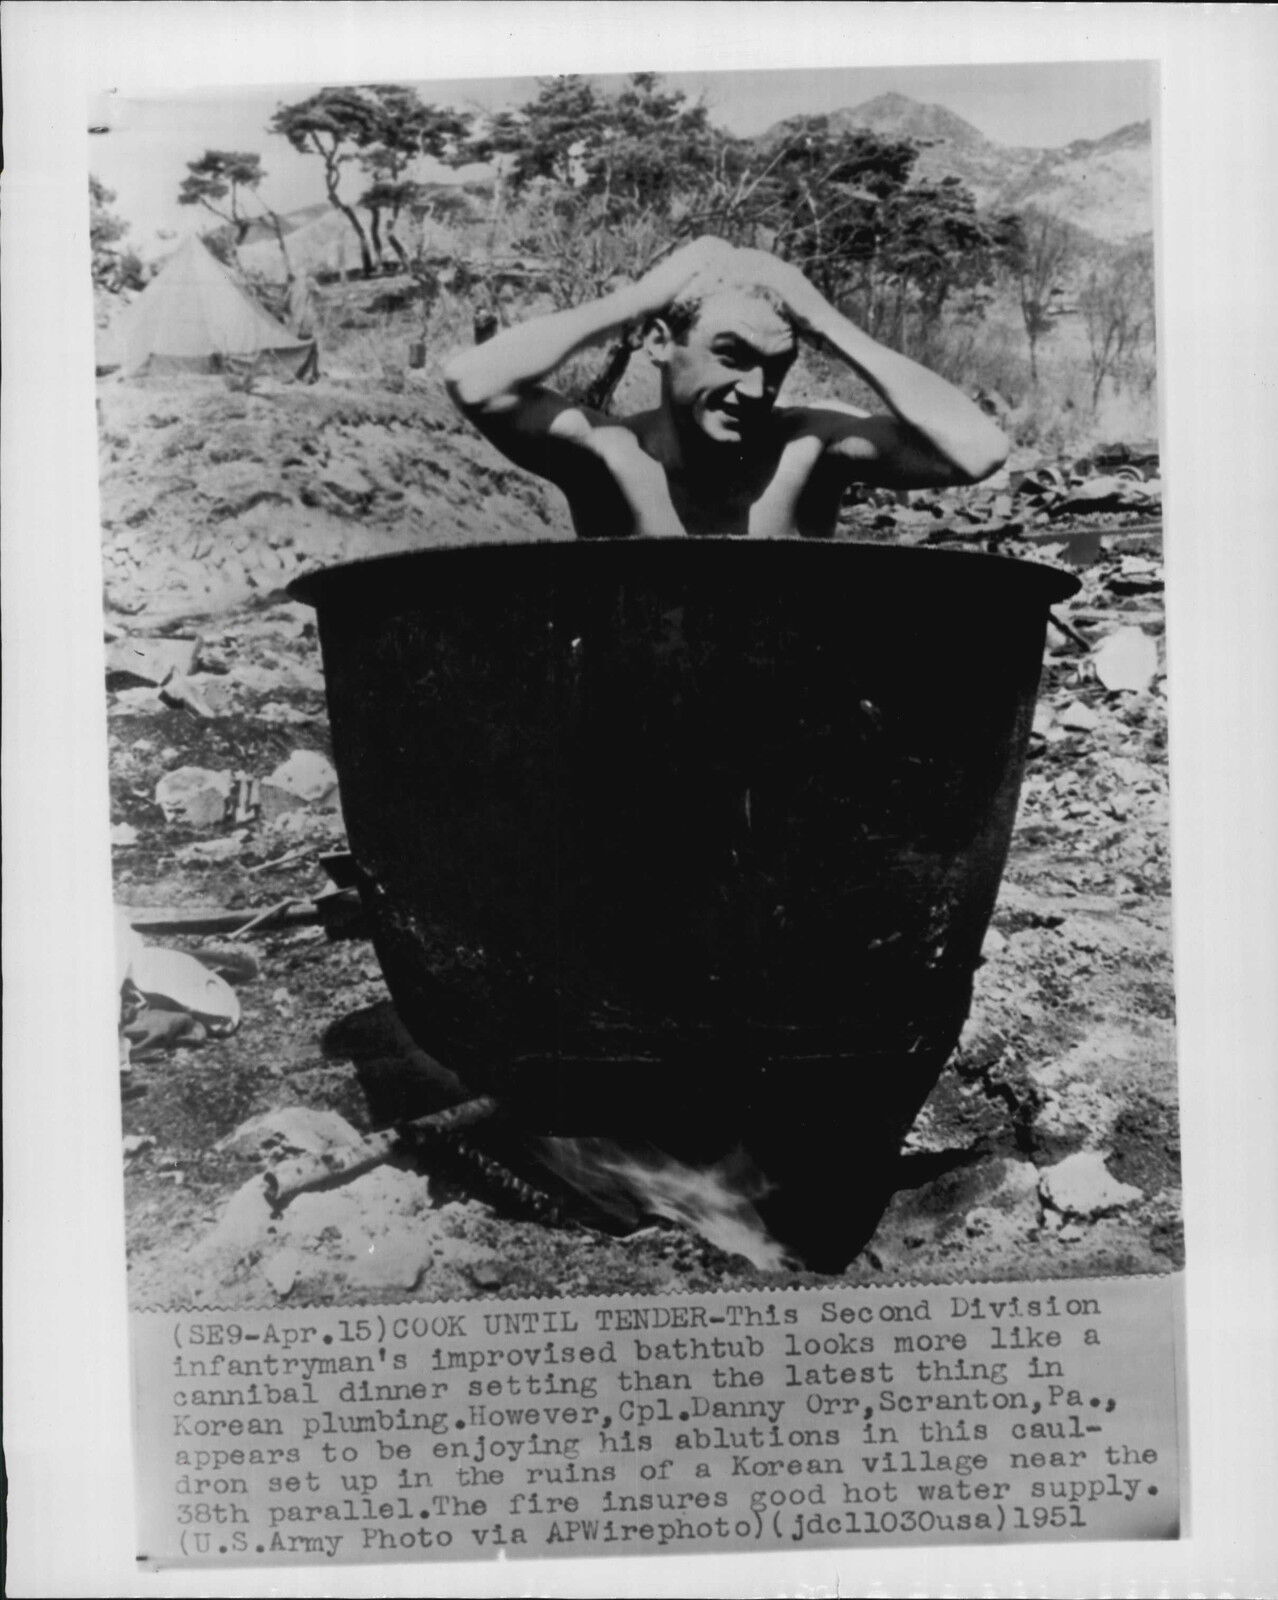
x=1050, y=1144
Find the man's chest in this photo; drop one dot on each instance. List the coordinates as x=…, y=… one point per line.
x=764, y=498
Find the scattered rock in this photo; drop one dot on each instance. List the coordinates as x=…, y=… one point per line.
x=1074, y=1114
x=1078, y=717
x=136, y=1143
x=282, y=1271
x=1127, y=659
x=348, y=486
x=306, y=775
x=330, y=1233
x=394, y=1261
x=139, y=702
x=1081, y=935
x=298, y=825
x=213, y=662
x=488, y=1274
x=278, y=678
x=246, y=1219
x=277, y=711
x=210, y=852
x=294, y=1131
x=194, y=796
x=151, y=661
x=1135, y=575
x=1082, y=1186
x=259, y=680
x=273, y=802
x=182, y=693
x=156, y=1030
x=123, y=834
x=1096, y=494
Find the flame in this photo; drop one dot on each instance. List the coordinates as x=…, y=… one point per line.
x=631, y=1183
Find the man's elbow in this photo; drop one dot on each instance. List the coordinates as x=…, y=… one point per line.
x=461, y=381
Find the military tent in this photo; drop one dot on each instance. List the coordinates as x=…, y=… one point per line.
x=194, y=317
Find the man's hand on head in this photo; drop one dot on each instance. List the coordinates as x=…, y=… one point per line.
x=803, y=302
x=670, y=279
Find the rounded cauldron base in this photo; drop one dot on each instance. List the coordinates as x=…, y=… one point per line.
x=818, y=1142
x=688, y=838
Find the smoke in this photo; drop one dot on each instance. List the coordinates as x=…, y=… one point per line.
x=629, y=1184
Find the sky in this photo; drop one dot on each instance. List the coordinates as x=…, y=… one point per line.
x=143, y=156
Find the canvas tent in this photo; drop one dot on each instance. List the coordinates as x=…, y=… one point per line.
x=193, y=316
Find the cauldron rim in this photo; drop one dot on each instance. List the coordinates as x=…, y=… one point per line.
x=994, y=575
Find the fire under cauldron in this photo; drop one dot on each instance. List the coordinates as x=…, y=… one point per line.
x=694, y=842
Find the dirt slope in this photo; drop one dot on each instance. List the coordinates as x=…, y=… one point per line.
x=210, y=496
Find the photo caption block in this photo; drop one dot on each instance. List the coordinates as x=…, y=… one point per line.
x=836, y=1418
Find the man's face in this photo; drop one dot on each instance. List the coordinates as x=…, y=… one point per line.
x=727, y=373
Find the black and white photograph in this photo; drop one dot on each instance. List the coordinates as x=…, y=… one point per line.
x=636, y=682
x=638, y=773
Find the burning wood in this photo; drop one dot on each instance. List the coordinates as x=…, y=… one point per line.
x=291, y=1178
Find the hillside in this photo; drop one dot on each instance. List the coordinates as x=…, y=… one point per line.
x=1104, y=186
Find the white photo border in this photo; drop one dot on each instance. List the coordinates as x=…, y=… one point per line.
x=71, y=1526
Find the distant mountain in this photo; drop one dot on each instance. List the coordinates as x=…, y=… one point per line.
x=1103, y=186
x=899, y=117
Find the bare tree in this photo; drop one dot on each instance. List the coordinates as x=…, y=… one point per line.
x=1042, y=255
x=1117, y=303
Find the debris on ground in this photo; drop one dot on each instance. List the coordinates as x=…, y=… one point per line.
x=194, y=795
x=205, y=851
x=306, y=777
x=173, y=981
x=1082, y=1186
x=156, y=1030
x=168, y=999
x=292, y=1131
x=184, y=693
x=1077, y=717
x=1126, y=659
x=1068, y=1050
x=132, y=661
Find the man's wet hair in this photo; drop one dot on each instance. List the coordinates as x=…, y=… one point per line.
x=681, y=316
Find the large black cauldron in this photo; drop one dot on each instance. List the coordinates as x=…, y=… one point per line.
x=694, y=841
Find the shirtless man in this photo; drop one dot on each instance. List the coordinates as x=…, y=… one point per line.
x=718, y=455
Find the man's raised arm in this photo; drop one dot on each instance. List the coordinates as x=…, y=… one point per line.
x=497, y=379
x=935, y=435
